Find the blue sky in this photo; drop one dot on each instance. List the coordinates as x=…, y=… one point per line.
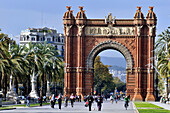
x=17, y=15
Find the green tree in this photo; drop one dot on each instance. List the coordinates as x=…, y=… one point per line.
x=163, y=55
x=103, y=80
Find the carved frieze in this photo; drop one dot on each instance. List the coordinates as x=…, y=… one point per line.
x=139, y=30
x=67, y=30
x=80, y=29
x=151, y=30
x=110, y=31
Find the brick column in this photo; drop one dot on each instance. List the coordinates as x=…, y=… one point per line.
x=67, y=84
x=150, y=77
x=80, y=68
x=138, y=88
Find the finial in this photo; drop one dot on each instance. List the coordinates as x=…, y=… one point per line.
x=81, y=8
x=139, y=8
x=68, y=8
x=151, y=8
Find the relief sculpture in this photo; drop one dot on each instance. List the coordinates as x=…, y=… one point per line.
x=110, y=31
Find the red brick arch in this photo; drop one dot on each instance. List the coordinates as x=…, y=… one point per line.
x=109, y=45
x=85, y=38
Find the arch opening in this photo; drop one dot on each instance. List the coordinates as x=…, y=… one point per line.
x=109, y=45
x=109, y=75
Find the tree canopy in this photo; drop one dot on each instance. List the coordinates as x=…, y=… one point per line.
x=103, y=80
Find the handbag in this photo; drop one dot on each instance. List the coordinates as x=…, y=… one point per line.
x=87, y=104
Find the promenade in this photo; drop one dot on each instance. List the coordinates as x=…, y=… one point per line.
x=78, y=108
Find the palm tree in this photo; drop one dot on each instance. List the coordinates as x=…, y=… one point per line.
x=163, y=56
x=50, y=60
x=4, y=61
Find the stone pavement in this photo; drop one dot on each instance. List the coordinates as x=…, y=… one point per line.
x=163, y=105
x=78, y=108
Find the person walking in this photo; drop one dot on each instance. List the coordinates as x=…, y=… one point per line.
x=80, y=97
x=59, y=101
x=106, y=97
x=99, y=101
x=111, y=98
x=90, y=101
x=72, y=99
x=66, y=100
x=44, y=97
x=126, y=102
x=116, y=98
x=52, y=101
x=40, y=100
x=28, y=101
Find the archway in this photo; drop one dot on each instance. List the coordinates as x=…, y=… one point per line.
x=85, y=38
x=109, y=45
x=109, y=73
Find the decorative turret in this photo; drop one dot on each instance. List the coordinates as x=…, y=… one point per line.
x=81, y=14
x=81, y=21
x=138, y=18
x=68, y=17
x=151, y=17
x=151, y=14
x=151, y=21
x=68, y=21
x=138, y=14
x=81, y=17
x=69, y=13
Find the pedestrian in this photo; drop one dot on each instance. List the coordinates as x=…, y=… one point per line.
x=85, y=98
x=66, y=100
x=106, y=97
x=59, y=101
x=99, y=101
x=44, y=97
x=111, y=98
x=72, y=99
x=28, y=101
x=80, y=97
x=116, y=98
x=40, y=100
x=90, y=100
x=52, y=101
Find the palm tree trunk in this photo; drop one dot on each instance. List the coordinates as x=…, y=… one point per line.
x=16, y=83
x=0, y=83
x=37, y=87
x=167, y=87
x=41, y=94
x=45, y=82
x=28, y=84
x=5, y=86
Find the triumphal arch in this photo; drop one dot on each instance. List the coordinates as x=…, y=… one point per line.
x=86, y=38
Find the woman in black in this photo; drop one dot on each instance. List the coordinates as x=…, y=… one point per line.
x=59, y=101
x=90, y=101
x=99, y=102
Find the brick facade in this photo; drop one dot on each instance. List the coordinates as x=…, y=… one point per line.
x=86, y=38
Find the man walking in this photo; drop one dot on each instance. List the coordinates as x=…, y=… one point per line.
x=90, y=101
x=52, y=101
x=99, y=102
x=72, y=99
x=59, y=101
